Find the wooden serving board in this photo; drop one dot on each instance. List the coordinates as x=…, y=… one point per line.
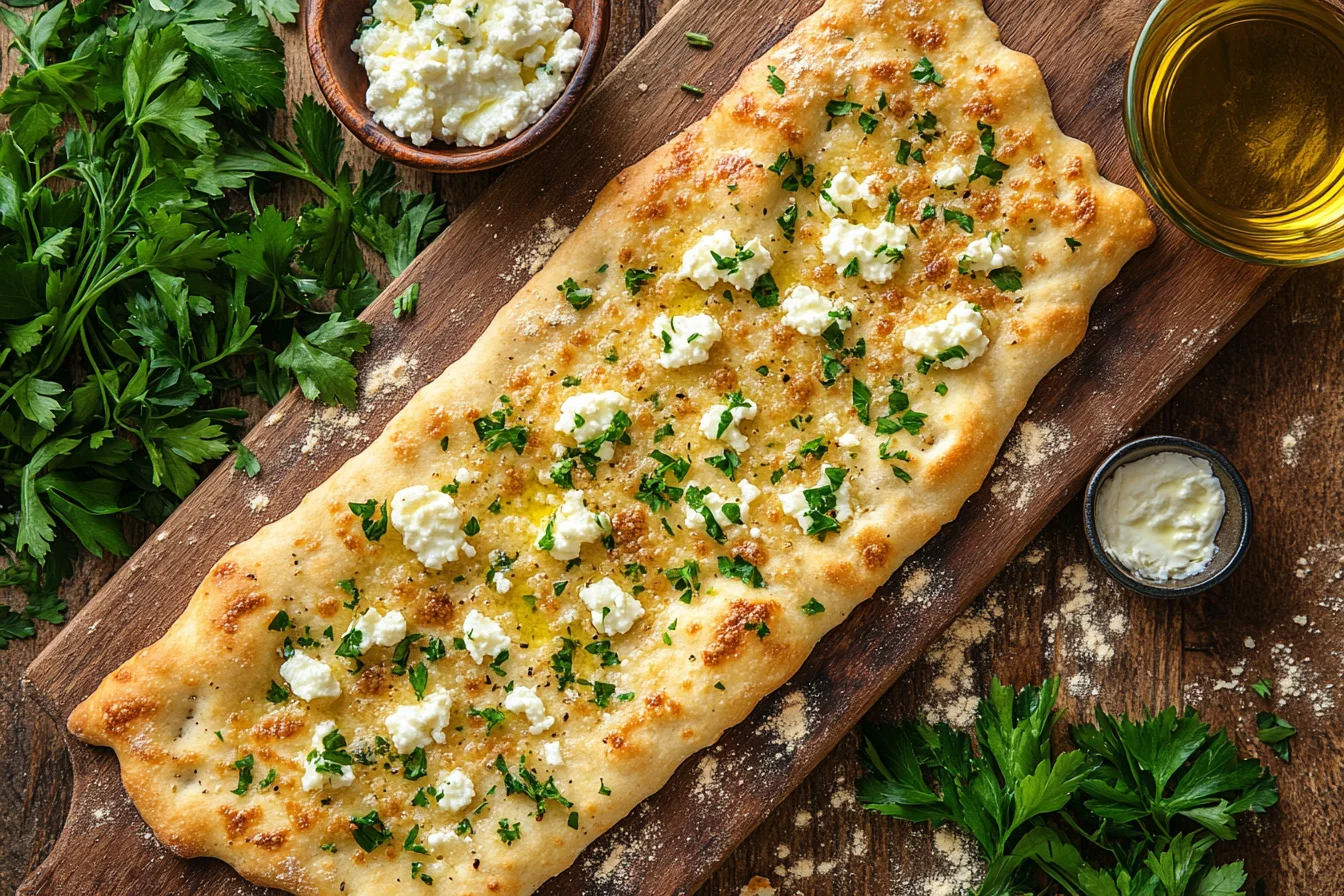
x=1166, y=315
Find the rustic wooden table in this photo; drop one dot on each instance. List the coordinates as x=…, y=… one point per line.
x=1271, y=400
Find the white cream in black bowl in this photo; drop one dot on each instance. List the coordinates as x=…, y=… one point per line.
x=1167, y=517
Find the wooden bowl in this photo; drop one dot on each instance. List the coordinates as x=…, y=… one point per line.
x=330, y=26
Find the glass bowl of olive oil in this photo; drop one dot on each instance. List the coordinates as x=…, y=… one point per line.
x=1235, y=114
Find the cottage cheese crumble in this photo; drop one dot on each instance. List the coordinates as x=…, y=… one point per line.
x=465, y=71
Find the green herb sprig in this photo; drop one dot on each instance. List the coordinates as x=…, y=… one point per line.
x=1137, y=808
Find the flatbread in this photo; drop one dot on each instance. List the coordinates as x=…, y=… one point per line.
x=186, y=712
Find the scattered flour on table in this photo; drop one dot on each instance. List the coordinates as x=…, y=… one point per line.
x=541, y=245
x=705, y=785
x=1015, y=476
x=390, y=376
x=1290, y=444
x=631, y=850
x=789, y=723
x=1303, y=677
x=918, y=587
x=330, y=425
x=955, y=688
x=960, y=860
x=259, y=502
x=1087, y=625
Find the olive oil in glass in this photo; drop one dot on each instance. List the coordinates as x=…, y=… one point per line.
x=1235, y=113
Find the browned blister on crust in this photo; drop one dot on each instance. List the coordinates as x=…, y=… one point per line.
x=185, y=711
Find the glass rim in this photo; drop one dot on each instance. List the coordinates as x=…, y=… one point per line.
x=1143, y=166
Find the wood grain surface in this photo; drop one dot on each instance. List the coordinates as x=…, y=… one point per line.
x=1174, y=306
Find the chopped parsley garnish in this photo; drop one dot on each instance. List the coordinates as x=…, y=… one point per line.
x=813, y=607
x=861, y=397
x=899, y=415
x=795, y=173
x=925, y=73
x=369, y=831
x=903, y=152
x=491, y=716
x=760, y=628
x=695, y=499
x=351, y=643
x=605, y=655
x=1274, y=732
x=685, y=578
x=493, y=430
x=277, y=693
x=418, y=677
x=405, y=304
x=868, y=122
x=246, y=461
x=822, y=503
x=657, y=493
x=280, y=622
x=926, y=126
x=509, y=832
x=1263, y=687
x=409, y=843
x=1072, y=243
x=832, y=368
x=764, y=290
x=414, y=765
x=788, y=222
x=726, y=463
x=374, y=527
x=635, y=278
x=527, y=783
x=562, y=663
x=839, y=108
x=244, y=767
x=741, y=569
x=775, y=81
x=814, y=448
x=726, y=418
x=699, y=41
x=960, y=218
x=692, y=89
x=1008, y=279
x=986, y=165
x=579, y=297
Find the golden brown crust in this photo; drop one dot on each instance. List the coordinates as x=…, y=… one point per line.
x=184, y=710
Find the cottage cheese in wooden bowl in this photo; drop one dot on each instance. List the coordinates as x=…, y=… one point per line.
x=466, y=72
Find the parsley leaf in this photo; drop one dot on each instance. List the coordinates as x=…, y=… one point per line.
x=925, y=73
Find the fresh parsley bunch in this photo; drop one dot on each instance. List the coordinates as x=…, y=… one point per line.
x=1134, y=811
x=142, y=277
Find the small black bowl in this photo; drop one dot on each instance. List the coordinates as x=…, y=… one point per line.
x=1234, y=535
